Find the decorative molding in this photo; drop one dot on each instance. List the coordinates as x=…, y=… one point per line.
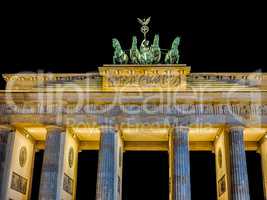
x=257, y=76
x=49, y=76
x=252, y=78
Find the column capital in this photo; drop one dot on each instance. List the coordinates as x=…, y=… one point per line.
x=235, y=128
x=54, y=129
x=109, y=128
x=181, y=128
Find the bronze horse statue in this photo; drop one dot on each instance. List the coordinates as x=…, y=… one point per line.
x=119, y=57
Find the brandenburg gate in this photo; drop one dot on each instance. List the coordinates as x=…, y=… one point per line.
x=135, y=104
x=130, y=108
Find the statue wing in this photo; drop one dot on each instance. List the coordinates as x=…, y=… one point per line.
x=140, y=21
x=147, y=21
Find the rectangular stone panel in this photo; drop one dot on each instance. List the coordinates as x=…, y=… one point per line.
x=68, y=184
x=222, y=186
x=19, y=183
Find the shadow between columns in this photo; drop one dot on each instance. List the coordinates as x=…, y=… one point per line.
x=255, y=175
x=145, y=175
x=203, y=175
x=87, y=174
x=38, y=161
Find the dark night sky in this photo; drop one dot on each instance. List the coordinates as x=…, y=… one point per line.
x=77, y=38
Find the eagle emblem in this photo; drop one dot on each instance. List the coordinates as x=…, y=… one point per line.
x=144, y=22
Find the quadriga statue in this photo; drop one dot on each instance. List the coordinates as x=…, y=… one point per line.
x=146, y=54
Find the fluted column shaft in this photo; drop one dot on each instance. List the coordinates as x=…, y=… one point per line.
x=5, y=146
x=107, y=176
x=238, y=165
x=181, y=186
x=50, y=185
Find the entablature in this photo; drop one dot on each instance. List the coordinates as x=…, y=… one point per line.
x=136, y=78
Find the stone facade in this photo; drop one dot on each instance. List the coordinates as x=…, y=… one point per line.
x=66, y=113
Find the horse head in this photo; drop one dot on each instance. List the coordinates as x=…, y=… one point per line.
x=134, y=42
x=176, y=42
x=116, y=44
x=156, y=41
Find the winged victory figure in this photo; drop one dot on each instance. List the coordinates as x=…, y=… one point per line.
x=145, y=54
x=144, y=23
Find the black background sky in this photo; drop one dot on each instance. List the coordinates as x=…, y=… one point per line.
x=77, y=38
x=216, y=36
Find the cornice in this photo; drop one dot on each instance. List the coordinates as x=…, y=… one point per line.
x=49, y=76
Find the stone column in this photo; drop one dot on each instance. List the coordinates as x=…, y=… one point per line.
x=59, y=171
x=239, y=176
x=16, y=163
x=6, y=144
x=171, y=166
x=180, y=169
x=231, y=167
x=263, y=152
x=109, y=175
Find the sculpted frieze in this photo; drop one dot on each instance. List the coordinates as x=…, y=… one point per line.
x=163, y=81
